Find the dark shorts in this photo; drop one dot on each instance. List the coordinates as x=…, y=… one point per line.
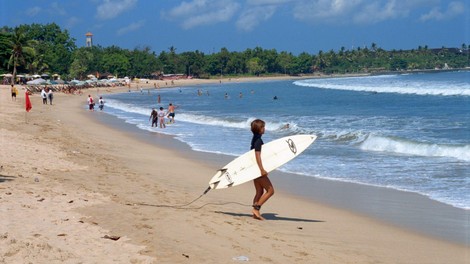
x=171, y=114
x=13, y=94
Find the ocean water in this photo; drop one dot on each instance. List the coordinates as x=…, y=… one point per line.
x=408, y=132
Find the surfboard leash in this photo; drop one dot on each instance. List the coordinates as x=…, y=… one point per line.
x=184, y=206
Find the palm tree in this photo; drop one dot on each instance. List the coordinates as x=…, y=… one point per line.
x=37, y=64
x=20, y=46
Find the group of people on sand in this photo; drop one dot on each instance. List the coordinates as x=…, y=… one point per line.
x=158, y=116
x=91, y=103
x=46, y=94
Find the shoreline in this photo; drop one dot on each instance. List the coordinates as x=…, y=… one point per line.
x=423, y=215
x=92, y=178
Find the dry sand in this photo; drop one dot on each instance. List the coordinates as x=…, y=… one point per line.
x=69, y=183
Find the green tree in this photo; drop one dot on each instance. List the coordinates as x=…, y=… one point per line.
x=224, y=58
x=286, y=62
x=304, y=63
x=20, y=48
x=172, y=61
x=254, y=66
x=236, y=64
x=80, y=64
x=116, y=63
x=37, y=64
x=142, y=62
x=54, y=44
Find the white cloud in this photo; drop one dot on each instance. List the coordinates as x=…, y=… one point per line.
x=194, y=13
x=203, y=12
x=376, y=12
x=56, y=9
x=367, y=12
x=33, y=11
x=111, y=8
x=269, y=2
x=71, y=22
x=325, y=10
x=132, y=27
x=453, y=9
x=251, y=17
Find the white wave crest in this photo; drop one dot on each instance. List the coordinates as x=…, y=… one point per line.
x=202, y=119
x=386, y=86
x=130, y=108
x=400, y=146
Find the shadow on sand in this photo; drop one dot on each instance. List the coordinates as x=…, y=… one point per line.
x=5, y=178
x=272, y=216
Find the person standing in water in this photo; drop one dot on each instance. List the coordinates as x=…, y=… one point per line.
x=154, y=117
x=101, y=103
x=161, y=117
x=263, y=186
x=91, y=103
x=171, y=112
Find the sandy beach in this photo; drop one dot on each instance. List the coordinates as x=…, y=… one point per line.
x=74, y=189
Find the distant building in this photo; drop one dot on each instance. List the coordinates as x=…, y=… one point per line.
x=89, y=39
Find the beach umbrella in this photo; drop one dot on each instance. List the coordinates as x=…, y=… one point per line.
x=7, y=75
x=36, y=76
x=37, y=81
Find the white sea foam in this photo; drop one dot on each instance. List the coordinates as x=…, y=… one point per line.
x=387, y=84
x=401, y=146
x=128, y=108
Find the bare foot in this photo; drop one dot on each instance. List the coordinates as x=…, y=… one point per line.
x=257, y=215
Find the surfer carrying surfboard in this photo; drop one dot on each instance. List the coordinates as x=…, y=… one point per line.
x=263, y=186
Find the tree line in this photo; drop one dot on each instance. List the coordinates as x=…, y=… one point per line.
x=37, y=48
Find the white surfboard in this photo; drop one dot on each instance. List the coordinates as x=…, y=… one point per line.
x=273, y=154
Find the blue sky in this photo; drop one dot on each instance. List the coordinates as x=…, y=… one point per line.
x=285, y=25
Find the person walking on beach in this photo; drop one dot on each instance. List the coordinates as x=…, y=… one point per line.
x=171, y=112
x=263, y=186
x=91, y=103
x=14, y=92
x=50, y=95
x=101, y=103
x=44, y=96
x=161, y=116
x=154, y=117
